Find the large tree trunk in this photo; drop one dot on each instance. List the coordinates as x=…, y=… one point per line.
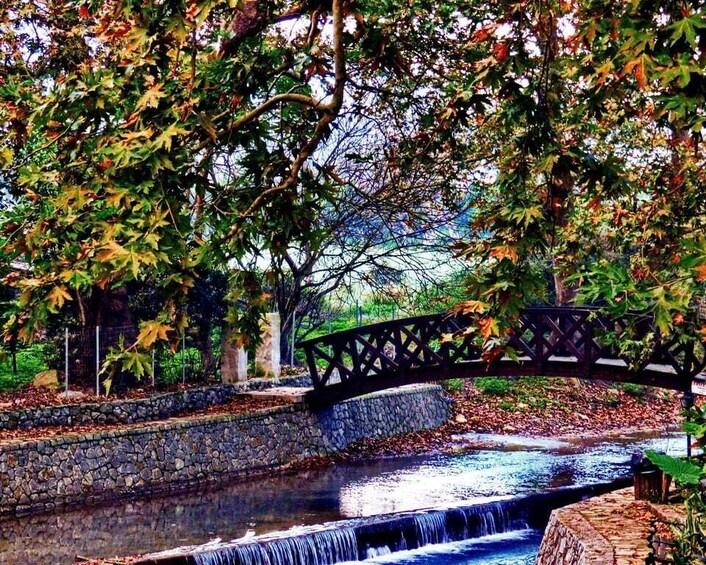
x=105, y=320
x=205, y=346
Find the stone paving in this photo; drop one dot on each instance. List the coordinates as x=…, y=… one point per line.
x=606, y=530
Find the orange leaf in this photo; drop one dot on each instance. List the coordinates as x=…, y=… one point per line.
x=504, y=252
x=501, y=52
x=701, y=273
x=473, y=307
x=152, y=331
x=488, y=327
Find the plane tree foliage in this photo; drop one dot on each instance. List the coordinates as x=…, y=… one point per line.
x=146, y=140
x=595, y=112
x=123, y=123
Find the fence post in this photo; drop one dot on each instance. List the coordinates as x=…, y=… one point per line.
x=183, y=358
x=98, y=360
x=294, y=331
x=66, y=360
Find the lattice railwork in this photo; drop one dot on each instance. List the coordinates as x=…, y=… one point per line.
x=561, y=341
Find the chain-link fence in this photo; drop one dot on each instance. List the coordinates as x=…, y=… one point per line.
x=78, y=359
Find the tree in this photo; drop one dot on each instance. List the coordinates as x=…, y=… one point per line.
x=598, y=173
x=390, y=224
x=135, y=105
x=178, y=135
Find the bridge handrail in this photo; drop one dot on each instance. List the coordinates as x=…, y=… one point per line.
x=544, y=335
x=374, y=326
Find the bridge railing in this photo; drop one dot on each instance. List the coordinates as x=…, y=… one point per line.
x=543, y=337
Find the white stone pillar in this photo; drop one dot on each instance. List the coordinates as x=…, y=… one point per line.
x=267, y=356
x=234, y=362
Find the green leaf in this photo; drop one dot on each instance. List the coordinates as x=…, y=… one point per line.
x=695, y=429
x=686, y=28
x=680, y=470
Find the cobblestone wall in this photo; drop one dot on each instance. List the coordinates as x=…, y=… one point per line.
x=611, y=529
x=561, y=544
x=139, y=410
x=38, y=475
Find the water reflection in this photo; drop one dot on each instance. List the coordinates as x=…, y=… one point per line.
x=347, y=491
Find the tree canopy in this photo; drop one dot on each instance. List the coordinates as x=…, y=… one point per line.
x=144, y=140
x=596, y=110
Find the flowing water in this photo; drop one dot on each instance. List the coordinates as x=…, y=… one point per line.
x=511, y=548
x=486, y=468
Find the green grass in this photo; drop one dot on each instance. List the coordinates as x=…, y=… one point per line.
x=30, y=361
x=453, y=385
x=638, y=391
x=521, y=393
x=493, y=386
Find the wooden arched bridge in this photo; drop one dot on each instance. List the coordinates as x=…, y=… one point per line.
x=551, y=341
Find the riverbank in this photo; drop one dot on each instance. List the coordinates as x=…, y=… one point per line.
x=538, y=407
x=547, y=406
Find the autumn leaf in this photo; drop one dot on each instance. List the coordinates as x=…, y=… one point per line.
x=501, y=52
x=6, y=156
x=152, y=331
x=473, y=307
x=639, y=67
x=702, y=333
x=701, y=273
x=111, y=251
x=488, y=327
x=501, y=252
x=151, y=97
x=164, y=139
x=56, y=297
x=446, y=338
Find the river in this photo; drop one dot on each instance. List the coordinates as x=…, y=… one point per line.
x=482, y=468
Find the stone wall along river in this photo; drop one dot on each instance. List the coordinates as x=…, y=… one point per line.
x=180, y=453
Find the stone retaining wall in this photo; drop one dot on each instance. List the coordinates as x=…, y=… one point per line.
x=564, y=544
x=611, y=529
x=138, y=410
x=173, y=455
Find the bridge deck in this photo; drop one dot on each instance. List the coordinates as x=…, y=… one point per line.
x=561, y=342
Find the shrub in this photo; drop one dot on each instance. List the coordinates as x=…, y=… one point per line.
x=453, y=385
x=30, y=361
x=493, y=386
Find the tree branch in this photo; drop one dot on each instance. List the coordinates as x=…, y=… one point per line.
x=330, y=112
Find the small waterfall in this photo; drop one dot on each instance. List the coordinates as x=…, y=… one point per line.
x=431, y=528
x=324, y=547
x=362, y=538
x=489, y=519
x=371, y=552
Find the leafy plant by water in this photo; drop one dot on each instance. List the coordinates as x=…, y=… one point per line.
x=690, y=476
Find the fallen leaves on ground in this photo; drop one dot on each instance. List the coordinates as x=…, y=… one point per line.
x=236, y=405
x=555, y=407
